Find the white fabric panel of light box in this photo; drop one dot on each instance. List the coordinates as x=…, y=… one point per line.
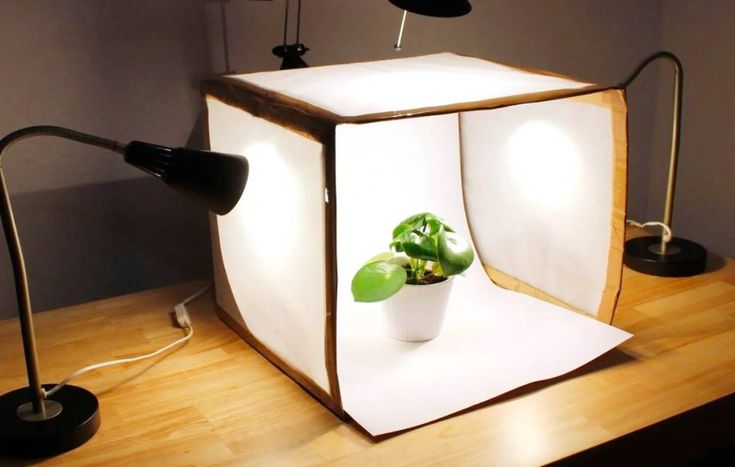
x=493, y=340
x=538, y=188
x=273, y=241
x=402, y=84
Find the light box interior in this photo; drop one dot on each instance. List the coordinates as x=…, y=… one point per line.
x=493, y=340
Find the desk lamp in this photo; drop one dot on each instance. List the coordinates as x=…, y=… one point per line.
x=31, y=423
x=666, y=255
x=436, y=8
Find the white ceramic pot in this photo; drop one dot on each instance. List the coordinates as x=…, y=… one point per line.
x=416, y=312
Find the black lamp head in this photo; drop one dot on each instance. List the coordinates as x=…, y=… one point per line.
x=438, y=8
x=291, y=55
x=214, y=179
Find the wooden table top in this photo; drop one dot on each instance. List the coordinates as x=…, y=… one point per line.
x=215, y=401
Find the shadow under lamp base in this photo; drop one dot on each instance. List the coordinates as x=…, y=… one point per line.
x=73, y=417
x=682, y=258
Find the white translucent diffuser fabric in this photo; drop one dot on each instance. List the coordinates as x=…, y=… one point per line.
x=537, y=181
x=272, y=243
x=409, y=83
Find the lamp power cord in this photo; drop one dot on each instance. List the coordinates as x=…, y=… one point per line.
x=667, y=234
x=182, y=319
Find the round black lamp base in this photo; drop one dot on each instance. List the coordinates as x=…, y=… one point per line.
x=74, y=425
x=682, y=258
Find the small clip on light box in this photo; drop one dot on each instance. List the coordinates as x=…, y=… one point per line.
x=519, y=162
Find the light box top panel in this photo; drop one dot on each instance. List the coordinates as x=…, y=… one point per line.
x=399, y=87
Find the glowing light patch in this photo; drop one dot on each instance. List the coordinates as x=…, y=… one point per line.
x=544, y=163
x=270, y=201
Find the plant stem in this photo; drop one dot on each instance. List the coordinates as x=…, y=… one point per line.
x=421, y=264
x=413, y=262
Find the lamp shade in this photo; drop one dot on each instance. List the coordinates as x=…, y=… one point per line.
x=439, y=8
x=291, y=55
x=214, y=179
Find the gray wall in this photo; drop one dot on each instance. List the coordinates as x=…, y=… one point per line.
x=130, y=69
x=90, y=225
x=701, y=34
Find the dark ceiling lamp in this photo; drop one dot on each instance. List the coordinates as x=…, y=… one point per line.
x=436, y=8
x=32, y=422
x=291, y=53
x=666, y=255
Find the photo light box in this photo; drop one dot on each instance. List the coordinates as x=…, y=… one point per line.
x=527, y=165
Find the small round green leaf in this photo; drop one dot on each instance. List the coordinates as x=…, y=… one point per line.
x=377, y=281
x=455, y=254
x=385, y=256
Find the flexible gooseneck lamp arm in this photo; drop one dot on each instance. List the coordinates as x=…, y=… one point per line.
x=675, y=130
x=16, y=252
x=36, y=423
x=668, y=255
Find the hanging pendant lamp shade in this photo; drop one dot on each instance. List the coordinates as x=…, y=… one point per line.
x=439, y=8
x=291, y=55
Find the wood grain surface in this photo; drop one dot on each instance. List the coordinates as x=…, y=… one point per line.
x=215, y=401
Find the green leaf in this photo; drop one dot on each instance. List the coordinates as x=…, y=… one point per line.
x=397, y=245
x=385, y=256
x=420, y=246
x=400, y=228
x=434, y=226
x=455, y=254
x=400, y=261
x=415, y=223
x=416, y=218
x=377, y=281
x=418, y=221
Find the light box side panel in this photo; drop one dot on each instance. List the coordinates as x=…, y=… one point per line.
x=539, y=190
x=273, y=242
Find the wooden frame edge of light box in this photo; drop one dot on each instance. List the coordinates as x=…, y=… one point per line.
x=319, y=125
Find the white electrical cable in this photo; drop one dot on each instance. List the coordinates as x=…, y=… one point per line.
x=667, y=229
x=183, y=320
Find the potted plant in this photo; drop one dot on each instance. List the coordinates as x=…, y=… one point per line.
x=415, y=277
